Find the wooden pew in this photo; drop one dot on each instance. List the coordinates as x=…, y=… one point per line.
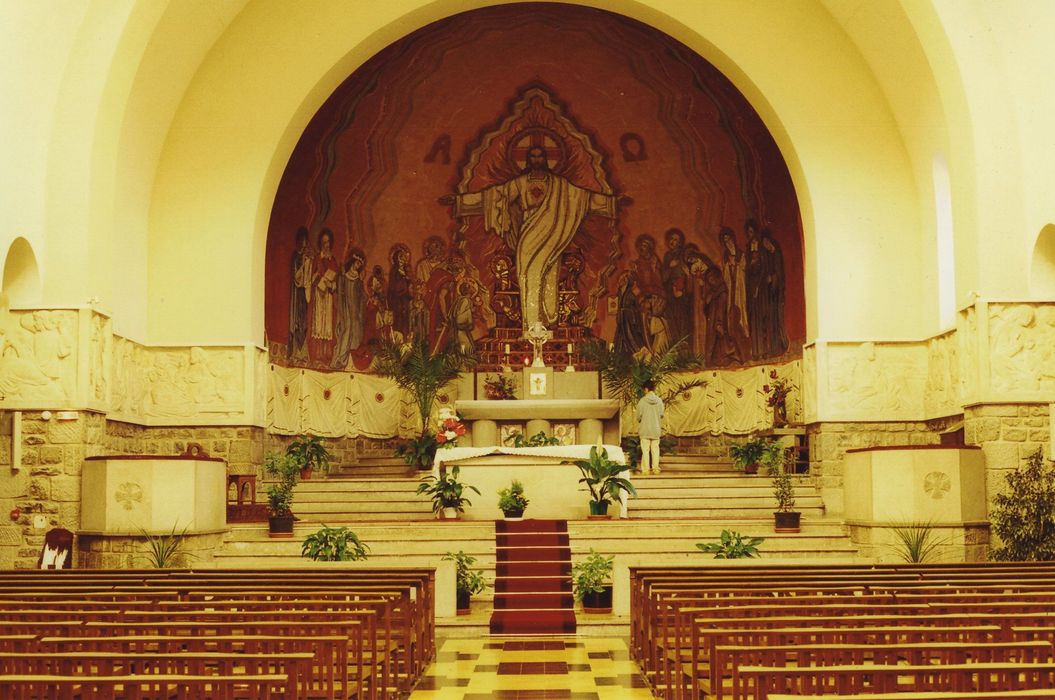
x=141, y=687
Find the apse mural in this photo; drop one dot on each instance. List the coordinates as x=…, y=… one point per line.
x=535, y=162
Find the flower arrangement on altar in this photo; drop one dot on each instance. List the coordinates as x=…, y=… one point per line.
x=450, y=429
x=777, y=391
x=499, y=387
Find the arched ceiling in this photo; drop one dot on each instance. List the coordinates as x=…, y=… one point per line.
x=252, y=74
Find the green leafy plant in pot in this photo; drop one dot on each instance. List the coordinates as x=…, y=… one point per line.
x=512, y=501
x=447, y=493
x=602, y=477
x=754, y=453
x=334, y=544
x=310, y=453
x=785, y=519
x=280, y=494
x=592, y=582
x=732, y=545
x=467, y=582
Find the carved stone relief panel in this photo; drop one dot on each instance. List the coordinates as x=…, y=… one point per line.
x=38, y=358
x=941, y=396
x=876, y=381
x=1021, y=349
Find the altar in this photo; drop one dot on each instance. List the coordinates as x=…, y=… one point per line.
x=581, y=421
x=551, y=486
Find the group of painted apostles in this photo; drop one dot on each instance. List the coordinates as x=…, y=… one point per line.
x=731, y=311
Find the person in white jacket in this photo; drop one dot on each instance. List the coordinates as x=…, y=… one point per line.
x=650, y=428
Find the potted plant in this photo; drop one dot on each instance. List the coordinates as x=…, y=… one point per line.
x=466, y=582
x=280, y=494
x=422, y=373
x=601, y=476
x=333, y=544
x=310, y=453
x=785, y=519
x=512, y=501
x=756, y=452
x=732, y=545
x=447, y=493
x=419, y=451
x=777, y=391
x=592, y=582
x=624, y=375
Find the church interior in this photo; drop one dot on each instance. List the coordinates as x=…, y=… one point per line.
x=440, y=251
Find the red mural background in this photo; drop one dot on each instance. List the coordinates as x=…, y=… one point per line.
x=656, y=135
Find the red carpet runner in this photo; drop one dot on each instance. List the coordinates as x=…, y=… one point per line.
x=533, y=578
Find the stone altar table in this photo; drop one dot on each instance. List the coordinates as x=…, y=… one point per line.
x=594, y=418
x=552, y=488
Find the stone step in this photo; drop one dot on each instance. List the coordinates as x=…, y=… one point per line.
x=649, y=491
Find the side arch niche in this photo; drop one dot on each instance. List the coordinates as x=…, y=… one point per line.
x=1042, y=272
x=21, y=281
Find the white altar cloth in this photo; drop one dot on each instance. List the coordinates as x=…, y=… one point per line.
x=451, y=455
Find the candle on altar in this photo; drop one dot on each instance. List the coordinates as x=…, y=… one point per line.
x=569, y=348
x=507, y=348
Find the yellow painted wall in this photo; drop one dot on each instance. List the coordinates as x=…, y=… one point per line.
x=150, y=137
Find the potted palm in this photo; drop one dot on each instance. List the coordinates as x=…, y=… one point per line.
x=416, y=369
x=602, y=477
x=280, y=494
x=784, y=518
x=624, y=375
x=447, y=493
x=512, y=501
x=467, y=582
x=310, y=452
x=592, y=582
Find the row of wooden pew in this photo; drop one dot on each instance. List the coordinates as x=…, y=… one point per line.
x=292, y=634
x=756, y=632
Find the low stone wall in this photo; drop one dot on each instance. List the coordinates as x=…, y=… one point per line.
x=130, y=552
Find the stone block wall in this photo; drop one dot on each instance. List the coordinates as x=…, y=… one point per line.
x=1007, y=434
x=955, y=544
x=830, y=441
x=122, y=552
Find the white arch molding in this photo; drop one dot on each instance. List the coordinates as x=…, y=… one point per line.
x=1042, y=272
x=21, y=282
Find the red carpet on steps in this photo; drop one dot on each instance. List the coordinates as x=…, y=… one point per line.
x=533, y=578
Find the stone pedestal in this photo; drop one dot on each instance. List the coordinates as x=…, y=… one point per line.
x=129, y=495
x=592, y=418
x=590, y=431
x=943, y=487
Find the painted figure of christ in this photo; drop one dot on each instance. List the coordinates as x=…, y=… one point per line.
x=537, y=214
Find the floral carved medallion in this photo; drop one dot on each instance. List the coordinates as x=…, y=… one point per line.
x=129, y=494
x=937, y=484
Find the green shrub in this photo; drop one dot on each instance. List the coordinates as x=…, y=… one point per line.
x=1023, y=515
x=466, y=580
x=916, y=542
x=591, y=574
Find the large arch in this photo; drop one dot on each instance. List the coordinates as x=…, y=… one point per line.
x=21, y=275
x=219, y=168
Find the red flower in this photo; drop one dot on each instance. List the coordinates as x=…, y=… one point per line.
x=772, y=374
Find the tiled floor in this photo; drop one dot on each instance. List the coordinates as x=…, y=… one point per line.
x=570, y=668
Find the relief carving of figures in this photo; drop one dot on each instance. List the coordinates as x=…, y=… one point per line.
x=37, y=358
x=941, y=392
x=1046, y=343
x=1013, y=352
x=122, y=399
x=99, y=346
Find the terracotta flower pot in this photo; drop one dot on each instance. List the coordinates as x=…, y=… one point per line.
x=280, y=526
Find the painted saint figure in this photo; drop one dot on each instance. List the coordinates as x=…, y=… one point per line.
x=772, y=296
x=677, y=287
x=299, y=293
x=351, y=307
x=323, y=290
x=629, y=320
x=399, y=288
x=537, y=214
